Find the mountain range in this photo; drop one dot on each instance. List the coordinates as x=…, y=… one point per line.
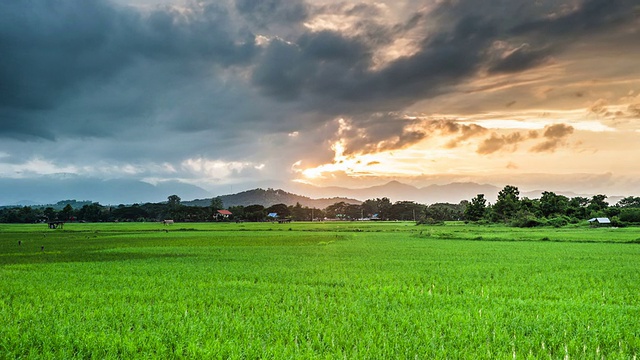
x=271, y=197
x=52, y=189
x=452, y=193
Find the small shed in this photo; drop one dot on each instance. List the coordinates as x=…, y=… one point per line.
x=599, y=221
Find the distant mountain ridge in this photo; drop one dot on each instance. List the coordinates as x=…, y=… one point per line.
x=271, y=197
x=51, y=189
x=397, y=191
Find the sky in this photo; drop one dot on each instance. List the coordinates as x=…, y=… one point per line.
x=230, y=94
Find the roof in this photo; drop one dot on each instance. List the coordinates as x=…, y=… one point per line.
x=600, y=220
x=224, y=212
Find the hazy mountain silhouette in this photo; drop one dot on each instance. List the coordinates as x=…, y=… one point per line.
x=271, y=197
x=397, y=191
x=51, y=189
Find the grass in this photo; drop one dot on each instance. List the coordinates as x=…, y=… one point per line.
x=318, y=290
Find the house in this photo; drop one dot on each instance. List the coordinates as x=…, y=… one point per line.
x=222, y=214
x=599, y=221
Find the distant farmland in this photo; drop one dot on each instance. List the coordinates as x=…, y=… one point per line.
x=318, y=290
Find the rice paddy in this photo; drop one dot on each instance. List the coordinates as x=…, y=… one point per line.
x=319, y=291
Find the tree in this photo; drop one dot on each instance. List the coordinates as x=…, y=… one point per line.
x=217, y=204
x=444, y=212
x=174, y=208
x=507, y=204
x=237, y=211
x=254, y=212
x=379, y=206
x=552, y=204
x=406, y=210
x=91, y=213
x=50, y=213
x=629, y=202
x=129, y=213
x=173, y=201
x=598, y=203
x=476, y=208
x=66, y=213
x=281, y=209
x=577, y=207
x=338, y=210
x=300, y=213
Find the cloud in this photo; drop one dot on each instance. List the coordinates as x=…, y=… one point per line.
x=377, y=133
x=499, y=142
x=466, y=132
x=554, y=136
x=385, y=132
x=519, y=59
x=266, y=13
x=228, y=82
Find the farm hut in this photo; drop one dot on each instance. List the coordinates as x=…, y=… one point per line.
x=222, y=214
x=599, y=221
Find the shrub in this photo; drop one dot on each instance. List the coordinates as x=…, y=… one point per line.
x=558, y=221
x=527, y=221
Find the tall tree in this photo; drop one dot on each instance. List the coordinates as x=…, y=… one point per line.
x=598, y=203
x=476, y=208
x=66, y=213
x=507, y=204
x=173, y=201
x=216, y=204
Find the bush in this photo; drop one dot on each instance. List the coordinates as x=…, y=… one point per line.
x=526, y=220
x=630, y=215
x=429, y=221
x=559, y=221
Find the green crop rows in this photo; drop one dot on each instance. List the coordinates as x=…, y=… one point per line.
x=302, y=290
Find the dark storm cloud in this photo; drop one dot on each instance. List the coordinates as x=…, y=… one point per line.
x=232, y=79
x=520, y=59
x=383, y=132
x=323, y=63
x=379, y=132
x=585, y=18
x=335, y=68
x=454, y=44
x=55, y=51
x=264, y=13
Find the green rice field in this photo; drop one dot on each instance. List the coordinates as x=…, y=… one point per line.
x=349, y=290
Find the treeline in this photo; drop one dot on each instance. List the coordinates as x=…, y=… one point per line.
x=549, y=210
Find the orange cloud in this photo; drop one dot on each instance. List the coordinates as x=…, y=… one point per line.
x=554, y=135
